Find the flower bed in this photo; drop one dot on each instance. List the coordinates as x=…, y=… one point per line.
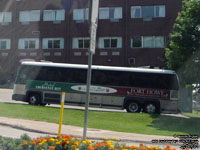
x=66, y=142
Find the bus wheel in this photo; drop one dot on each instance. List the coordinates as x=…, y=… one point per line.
x=133, y=107
x=34, y=99
x=150, y=108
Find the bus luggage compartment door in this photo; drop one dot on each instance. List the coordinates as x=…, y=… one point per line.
x=169, y=106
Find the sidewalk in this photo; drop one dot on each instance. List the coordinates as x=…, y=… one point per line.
x=96, y=134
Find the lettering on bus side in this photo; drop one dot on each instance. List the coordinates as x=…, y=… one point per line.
x=154, y=93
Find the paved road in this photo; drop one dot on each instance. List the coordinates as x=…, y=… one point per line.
x=6, y=96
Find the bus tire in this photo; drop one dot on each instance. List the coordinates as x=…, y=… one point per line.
x=133, y=107
x=150, y=108
x=34, y=99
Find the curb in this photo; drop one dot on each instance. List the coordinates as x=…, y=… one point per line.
x=88, y=137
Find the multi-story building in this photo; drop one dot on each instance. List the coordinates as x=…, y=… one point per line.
x=130, y=32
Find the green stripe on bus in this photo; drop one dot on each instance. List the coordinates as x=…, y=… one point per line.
x=51, y=86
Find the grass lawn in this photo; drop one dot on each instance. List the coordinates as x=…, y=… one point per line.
x=116, y=121
x=193, y=114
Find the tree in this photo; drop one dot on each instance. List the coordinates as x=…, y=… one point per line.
x=183, y=52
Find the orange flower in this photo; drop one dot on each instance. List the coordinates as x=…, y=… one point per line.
x=168, y=147
x=51, y=147
x=141, y=144
x=134, y=147
x=33, y=143
x=39, y=140
x=25, y=143
x=90, y=148
x=143, y=148
x=58, y=143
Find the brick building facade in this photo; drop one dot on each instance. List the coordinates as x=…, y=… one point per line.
x=130, y=33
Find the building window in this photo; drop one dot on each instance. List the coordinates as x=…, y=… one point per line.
x=81, y=43
x=29, y=16
x=136, y=12
x=136, y=41
x=160, y=11
x=54, y=15
x=5, y=17
x=28, y=43
x=147, y=11
x=53, y=43
x=148, y=42
x=110, y=42
x=4, y=44
x=159, y=41
x=80, y=14
x=110, y=13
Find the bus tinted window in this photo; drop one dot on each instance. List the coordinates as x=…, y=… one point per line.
x=72, y=75
x=99, y=77
x=134, y=79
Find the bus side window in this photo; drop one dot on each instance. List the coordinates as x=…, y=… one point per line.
x=53, y=74
x=98, y=77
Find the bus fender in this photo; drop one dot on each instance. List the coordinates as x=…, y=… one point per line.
x=29, y=92
x=135, y=99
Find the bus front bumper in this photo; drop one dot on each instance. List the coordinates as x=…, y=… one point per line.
x=19, y=97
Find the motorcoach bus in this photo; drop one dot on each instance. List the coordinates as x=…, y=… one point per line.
x=133, y=89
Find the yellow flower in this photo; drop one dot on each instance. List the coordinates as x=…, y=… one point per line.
x=109, y=142
x=84, y=142
x=152, y=146
x=76, y=149
x=88, y=141
x=52, y=140
x=111, y=146
x=105, y=138
x=77, y=143
x=40, y=144
x=116, y=139
x=44, y=141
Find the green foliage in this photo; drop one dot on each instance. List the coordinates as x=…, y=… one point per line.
x=11, y=144
x=183, y=53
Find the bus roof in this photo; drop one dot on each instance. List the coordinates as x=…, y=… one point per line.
x=97, y=67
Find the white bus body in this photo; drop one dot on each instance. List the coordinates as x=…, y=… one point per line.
x=133, y=89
